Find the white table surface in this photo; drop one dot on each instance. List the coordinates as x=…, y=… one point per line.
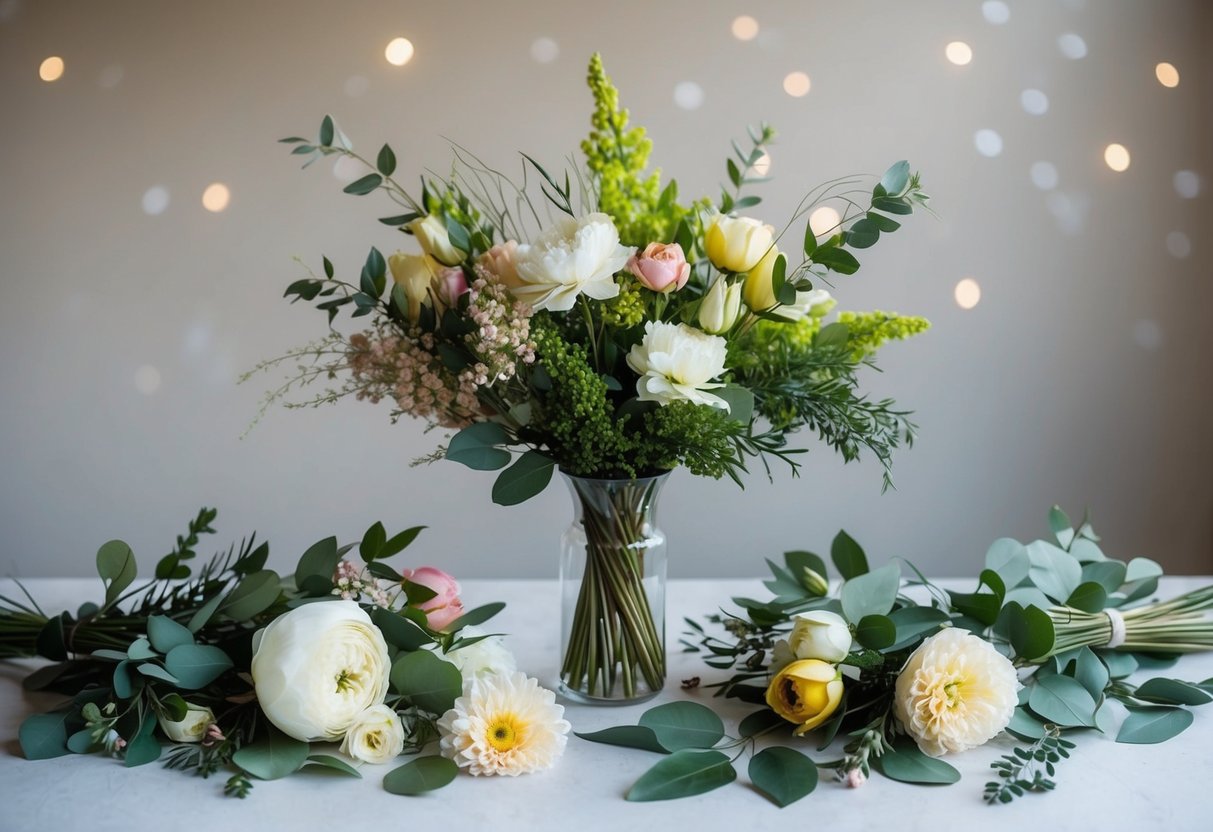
x=1104, y=786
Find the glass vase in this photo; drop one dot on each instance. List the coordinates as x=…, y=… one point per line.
x=612, y=584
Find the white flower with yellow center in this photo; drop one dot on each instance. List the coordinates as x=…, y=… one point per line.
x=504, y=723
x=318, y=667
x=376, y=736
x=956, y=692
x=572, y=257
x=676, y=362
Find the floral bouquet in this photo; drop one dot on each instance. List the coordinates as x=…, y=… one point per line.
x=237, y=668
x=1043, y=648
x=595, y=323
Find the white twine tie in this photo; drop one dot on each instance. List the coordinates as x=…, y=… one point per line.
x=1117, y=636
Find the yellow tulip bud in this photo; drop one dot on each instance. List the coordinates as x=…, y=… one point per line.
x=431, y=233
x=806, y=692
x=758, y=292
x=735, y=244
x=414, y=273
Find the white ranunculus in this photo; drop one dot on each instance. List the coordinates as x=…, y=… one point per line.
x=574, y=256
x=489, y=655
x=678, y=362
x=820, y=634
x=319, y=666
x=376, y=736
x=956, y=692
x=190, y=728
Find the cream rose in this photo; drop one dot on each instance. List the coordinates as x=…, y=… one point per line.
x=431, y=233
x=678, y=362
x=956, y=692
x=415, y=274
x=736, y=244
x=573, y=257
x=190, y=728
x=317, y=667
x=376, y=736
x=820, y=634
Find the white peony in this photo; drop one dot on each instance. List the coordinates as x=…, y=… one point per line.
x=191, y=727
x=489, y=655
x=677, y=361
x=504, y=723
x=956, y=692
x=318, y=667
x=820, y=634
x=574, y=256
x=376, y=736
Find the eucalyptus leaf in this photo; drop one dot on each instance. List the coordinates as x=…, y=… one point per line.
x=253, y=595
x=165, y=633
x=273, y=756
x=427, y=681
x=1088, y=597
x=1054, y=571
x=905, y=763
x=759, y=722
x=873, y=593
x=476, y=616
x=476, y=447
x=116, y=566
x=628, y=736
x=1172, y=692
x=683, y=774
x=44, y=736
x=679, y=725
x=143, y=748
x=140, y=650
x=1145, y=726
x=848, y=557
x=155, y=671
x=328, y=761
x=1062, y=701
x=320, y=562
x=196, y=665
x=421, y=775
x=399, y=631
x=528, y=476
x=1110, y=574
x=783, y=774
x=876, y=632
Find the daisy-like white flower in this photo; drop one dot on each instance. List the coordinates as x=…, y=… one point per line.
x=504, y=723
x=574, y=256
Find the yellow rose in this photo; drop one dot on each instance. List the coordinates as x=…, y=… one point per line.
x=431, y=233
x=415, y=274
x=736, y=244
x=806, y=692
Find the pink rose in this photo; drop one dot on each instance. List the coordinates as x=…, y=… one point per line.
x=451, y=284
x=661, y=267
x=444, y=607
x=500, y=261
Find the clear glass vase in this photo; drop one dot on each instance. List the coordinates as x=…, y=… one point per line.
x=612, y=585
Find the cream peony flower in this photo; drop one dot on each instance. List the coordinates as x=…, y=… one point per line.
x=318, y=667
x=489, y=655
x=956, y=692
x=504, y=724
x=677, y=361
x=376, y=736
x=574, y=256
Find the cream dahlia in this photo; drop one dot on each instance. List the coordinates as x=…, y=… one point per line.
x=956, y=692
x=504, y=724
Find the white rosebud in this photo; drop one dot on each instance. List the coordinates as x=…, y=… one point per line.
x=317, y=667
x=190, y=728
x=820, y=634
x=376, y=736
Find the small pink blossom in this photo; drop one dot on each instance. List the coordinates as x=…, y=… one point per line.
x=441, y=610
x=661, y=267
x=450, y=285
x=855, y=778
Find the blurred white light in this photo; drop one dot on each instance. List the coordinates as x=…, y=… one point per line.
x=51, y=69
x=356, y=86
x=1167, y=74
x=967, y=293
x=1070, y=210
x=988, y=143
x=996, y=12
x=111, y=77
x=1147, y=334
x=824, y=220
x=1116, y=156
x=763, y=166
x=1187, y=184
x=155, y=200
x=1034, y=102
x=544, y=50
x=347, y=169
x=399, y=52
x=147, y=379
x=216, y=197
x=796, y=84
x=1044, y=175
x=688, y=95
x=1178, y=245
x=745, y=27
x=958, y=52
x=1072, y=46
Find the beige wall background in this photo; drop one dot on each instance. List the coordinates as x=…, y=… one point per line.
x=128, y=310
